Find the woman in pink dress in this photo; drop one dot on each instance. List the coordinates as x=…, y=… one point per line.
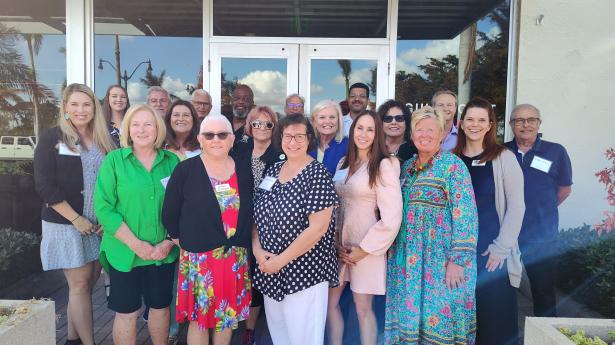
x=367, y=183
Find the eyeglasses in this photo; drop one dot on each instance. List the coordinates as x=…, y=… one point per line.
x=299, y=138
x=533, y=121
x=201, y=104
x=390, y=118
x=294, y=105
x=262, y=124
x=212, y=135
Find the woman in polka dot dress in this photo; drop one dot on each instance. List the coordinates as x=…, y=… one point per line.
x=294, y=245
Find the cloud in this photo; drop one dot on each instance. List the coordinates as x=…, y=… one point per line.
x=176, y=87
x=494, y=31
x=363, y=75
x=316, y=89
x=136, y=92
x=269, y=87
x=433, y=49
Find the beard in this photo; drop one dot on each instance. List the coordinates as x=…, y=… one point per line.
x=241, y=114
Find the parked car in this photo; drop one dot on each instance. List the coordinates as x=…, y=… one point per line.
x=17, y=147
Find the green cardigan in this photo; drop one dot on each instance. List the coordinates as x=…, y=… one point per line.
x=126, y=192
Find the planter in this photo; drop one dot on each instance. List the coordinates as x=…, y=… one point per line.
x=545, y=330
x=29, y=322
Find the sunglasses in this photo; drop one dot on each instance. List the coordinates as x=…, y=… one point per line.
x=262, y=124
x=212, y=135
x=390, y=118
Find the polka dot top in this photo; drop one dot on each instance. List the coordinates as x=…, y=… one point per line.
x=281, y=215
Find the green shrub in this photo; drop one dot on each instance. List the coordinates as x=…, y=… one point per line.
x=587, y=268
x=13, y=243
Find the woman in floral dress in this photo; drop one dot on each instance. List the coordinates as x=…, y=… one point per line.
x=431, y=273
x=208, y=212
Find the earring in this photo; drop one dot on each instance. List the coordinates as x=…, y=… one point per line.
x=66, y=116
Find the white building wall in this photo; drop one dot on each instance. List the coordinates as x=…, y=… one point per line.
x=566, y=67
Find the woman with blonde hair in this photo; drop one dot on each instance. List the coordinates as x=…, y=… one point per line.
x=135, y=250
x=331, y=145
x=66, y=163
x=431, y=271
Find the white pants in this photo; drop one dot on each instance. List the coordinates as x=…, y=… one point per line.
x=300, y=318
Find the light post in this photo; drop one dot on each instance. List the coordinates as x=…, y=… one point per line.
x=126, y=77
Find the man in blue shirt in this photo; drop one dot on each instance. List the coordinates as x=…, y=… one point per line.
x=547, y=172
x=445, y=102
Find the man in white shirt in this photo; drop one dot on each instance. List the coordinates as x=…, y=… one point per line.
x=358, y=99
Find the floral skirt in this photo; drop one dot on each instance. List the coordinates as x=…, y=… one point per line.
x=213, y=288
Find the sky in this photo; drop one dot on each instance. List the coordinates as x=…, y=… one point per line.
x=181, y=58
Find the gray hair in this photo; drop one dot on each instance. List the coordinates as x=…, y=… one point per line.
x=216, y=118
x=442, y=92
x=294, y=95
x=524, y=106
x=157, y=89
x=200, y=92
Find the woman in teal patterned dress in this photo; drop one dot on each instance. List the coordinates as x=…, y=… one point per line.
x=431, y=273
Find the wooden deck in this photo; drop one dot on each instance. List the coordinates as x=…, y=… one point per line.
x=53, y=285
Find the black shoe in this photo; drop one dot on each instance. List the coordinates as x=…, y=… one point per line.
x=73, y=342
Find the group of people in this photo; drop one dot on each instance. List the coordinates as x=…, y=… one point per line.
x=206, y=219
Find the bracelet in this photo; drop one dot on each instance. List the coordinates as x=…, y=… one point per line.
x=75, y=218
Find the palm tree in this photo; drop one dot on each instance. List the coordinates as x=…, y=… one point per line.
x=346, y=69
x=153, y=80
x=34, y=42
x=17, y=77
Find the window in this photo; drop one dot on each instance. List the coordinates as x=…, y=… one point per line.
x=140, y=43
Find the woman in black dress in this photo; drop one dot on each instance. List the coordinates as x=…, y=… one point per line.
x=396, y=124
x=497, y=180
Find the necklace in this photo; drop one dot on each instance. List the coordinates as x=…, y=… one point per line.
x=417, y=167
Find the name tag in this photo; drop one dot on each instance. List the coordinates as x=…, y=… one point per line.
x=164, y=181
x=65, y=151
x=541, y=164
x=477, y=163
x=340, y=175
x=225, y=187
x=190, y=154
x=267, y=183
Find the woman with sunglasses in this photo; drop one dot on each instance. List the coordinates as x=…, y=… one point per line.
x=260, y=124
x=208, y=212
x=370, y=213
x=331, y=145
x=396, y=124
x=497, y=180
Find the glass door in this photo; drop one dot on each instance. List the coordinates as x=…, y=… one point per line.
x=316, y=72
x=327, y=70
x=271, y=70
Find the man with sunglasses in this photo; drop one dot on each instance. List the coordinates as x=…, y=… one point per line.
x=358, y=99
x=547, y=174
x=294, y=104
x=445, y=102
